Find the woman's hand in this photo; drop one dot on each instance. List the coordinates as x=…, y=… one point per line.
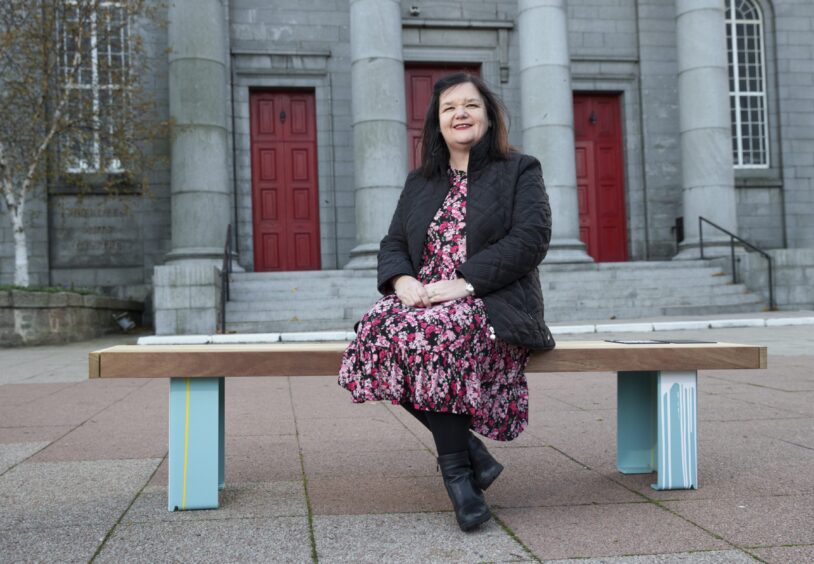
x=447, y=290
x=411, y=292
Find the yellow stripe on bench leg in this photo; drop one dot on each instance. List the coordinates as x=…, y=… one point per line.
x=194, y=445
x=186, y=445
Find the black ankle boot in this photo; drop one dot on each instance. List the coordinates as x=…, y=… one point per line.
x=484, y=466
x=467, y=500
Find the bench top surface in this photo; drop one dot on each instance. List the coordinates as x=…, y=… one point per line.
x=320, y=359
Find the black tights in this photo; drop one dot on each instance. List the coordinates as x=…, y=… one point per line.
x=449, y=430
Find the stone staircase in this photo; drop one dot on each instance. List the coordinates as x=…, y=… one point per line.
x=335, y=299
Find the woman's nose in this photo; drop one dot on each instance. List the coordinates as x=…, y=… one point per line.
x=460, y=111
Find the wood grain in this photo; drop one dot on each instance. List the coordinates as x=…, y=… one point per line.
x=320, y=359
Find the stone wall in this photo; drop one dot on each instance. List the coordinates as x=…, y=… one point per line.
x=794, y=32
x=187, y=299
x=41, y=318
x=793, y=274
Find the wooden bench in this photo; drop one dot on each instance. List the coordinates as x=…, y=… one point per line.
x=656, y=395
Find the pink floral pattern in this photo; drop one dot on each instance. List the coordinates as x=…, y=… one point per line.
x=443, y=358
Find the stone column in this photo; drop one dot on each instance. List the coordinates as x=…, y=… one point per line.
x=198, y=81
x=186, y=296
x=379, y=122
x=708, y=179
x=548, y=117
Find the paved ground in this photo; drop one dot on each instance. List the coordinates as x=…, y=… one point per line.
x=311, y=477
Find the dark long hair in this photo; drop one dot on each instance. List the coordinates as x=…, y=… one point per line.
x=434, y=151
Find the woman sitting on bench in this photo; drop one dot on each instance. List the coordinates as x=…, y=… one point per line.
x=462, y=303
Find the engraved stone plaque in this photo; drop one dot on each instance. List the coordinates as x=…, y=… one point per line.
x=96, y=231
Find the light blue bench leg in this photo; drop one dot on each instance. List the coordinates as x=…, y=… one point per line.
x=656, y=427
x=196, y=443
x=636, y=422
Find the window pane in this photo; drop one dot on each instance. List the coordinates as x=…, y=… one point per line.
x=98, y=89
x=747, y=90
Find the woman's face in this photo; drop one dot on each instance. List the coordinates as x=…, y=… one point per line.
x=462, y=114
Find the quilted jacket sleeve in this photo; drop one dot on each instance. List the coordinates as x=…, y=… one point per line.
x=394, y=254
x=525, y=245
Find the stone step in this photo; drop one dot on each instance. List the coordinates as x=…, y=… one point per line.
x=242, y=291
x=260, y=300
x=335, y=300
x=568, y=316
x=715, y=296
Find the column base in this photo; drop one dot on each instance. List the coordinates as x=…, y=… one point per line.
x=567, y=250
x=363, y=257
x=195, y=255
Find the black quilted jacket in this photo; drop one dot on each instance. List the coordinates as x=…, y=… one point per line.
x=508, y=228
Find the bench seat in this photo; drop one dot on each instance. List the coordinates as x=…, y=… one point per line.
x=656, y=398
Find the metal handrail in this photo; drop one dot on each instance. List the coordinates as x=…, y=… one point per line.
x=732, y=239
x=225, y=271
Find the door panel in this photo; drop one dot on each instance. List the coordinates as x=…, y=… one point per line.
x=285, y=192
x=600, y=178
x=419, y=80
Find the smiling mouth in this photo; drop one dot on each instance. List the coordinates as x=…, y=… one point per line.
x=461, y=126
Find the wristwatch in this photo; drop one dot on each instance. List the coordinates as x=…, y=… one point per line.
x=469, y=288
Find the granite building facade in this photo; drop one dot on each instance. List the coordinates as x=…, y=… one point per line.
x=292, y=122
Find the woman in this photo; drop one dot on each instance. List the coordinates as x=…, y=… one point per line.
x=462, y=304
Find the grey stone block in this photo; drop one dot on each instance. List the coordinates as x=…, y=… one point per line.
x=282, y=539
x=197, y=321
x=166, y=322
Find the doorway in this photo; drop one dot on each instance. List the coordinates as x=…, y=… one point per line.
x=600, y=175
x=285, y=191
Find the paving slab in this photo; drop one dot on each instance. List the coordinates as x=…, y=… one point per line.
x=276, y=539
x=709, y=557
x=352, y=434
x=785, y=554
x=21, y=394
x=33, y=434
x=409, y=538
x=144, y=416
x=54, y=494
x=753, y=521
x=52, y=544
x=361, y=495
x=381, y=464
x=579, y=531
x=237, y=501
x=14, y=453
x=790, y=373
x=539, y=477
x=71, y=405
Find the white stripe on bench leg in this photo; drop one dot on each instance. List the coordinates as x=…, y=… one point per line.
x=194, y=443
x=221, y=432
x=677, y=431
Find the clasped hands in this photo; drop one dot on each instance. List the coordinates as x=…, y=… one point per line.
x=413, y=293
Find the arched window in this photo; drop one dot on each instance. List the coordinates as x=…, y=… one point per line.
x=747, y=84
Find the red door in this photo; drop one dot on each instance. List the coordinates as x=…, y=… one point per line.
x=285, y=194
x=600, y=177
x=419, y=80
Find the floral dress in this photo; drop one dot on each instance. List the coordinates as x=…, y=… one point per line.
x=444, y=358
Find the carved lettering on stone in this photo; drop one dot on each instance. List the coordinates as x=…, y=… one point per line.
x=95, y=232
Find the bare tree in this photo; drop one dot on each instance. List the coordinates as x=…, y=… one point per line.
x=73, y=106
